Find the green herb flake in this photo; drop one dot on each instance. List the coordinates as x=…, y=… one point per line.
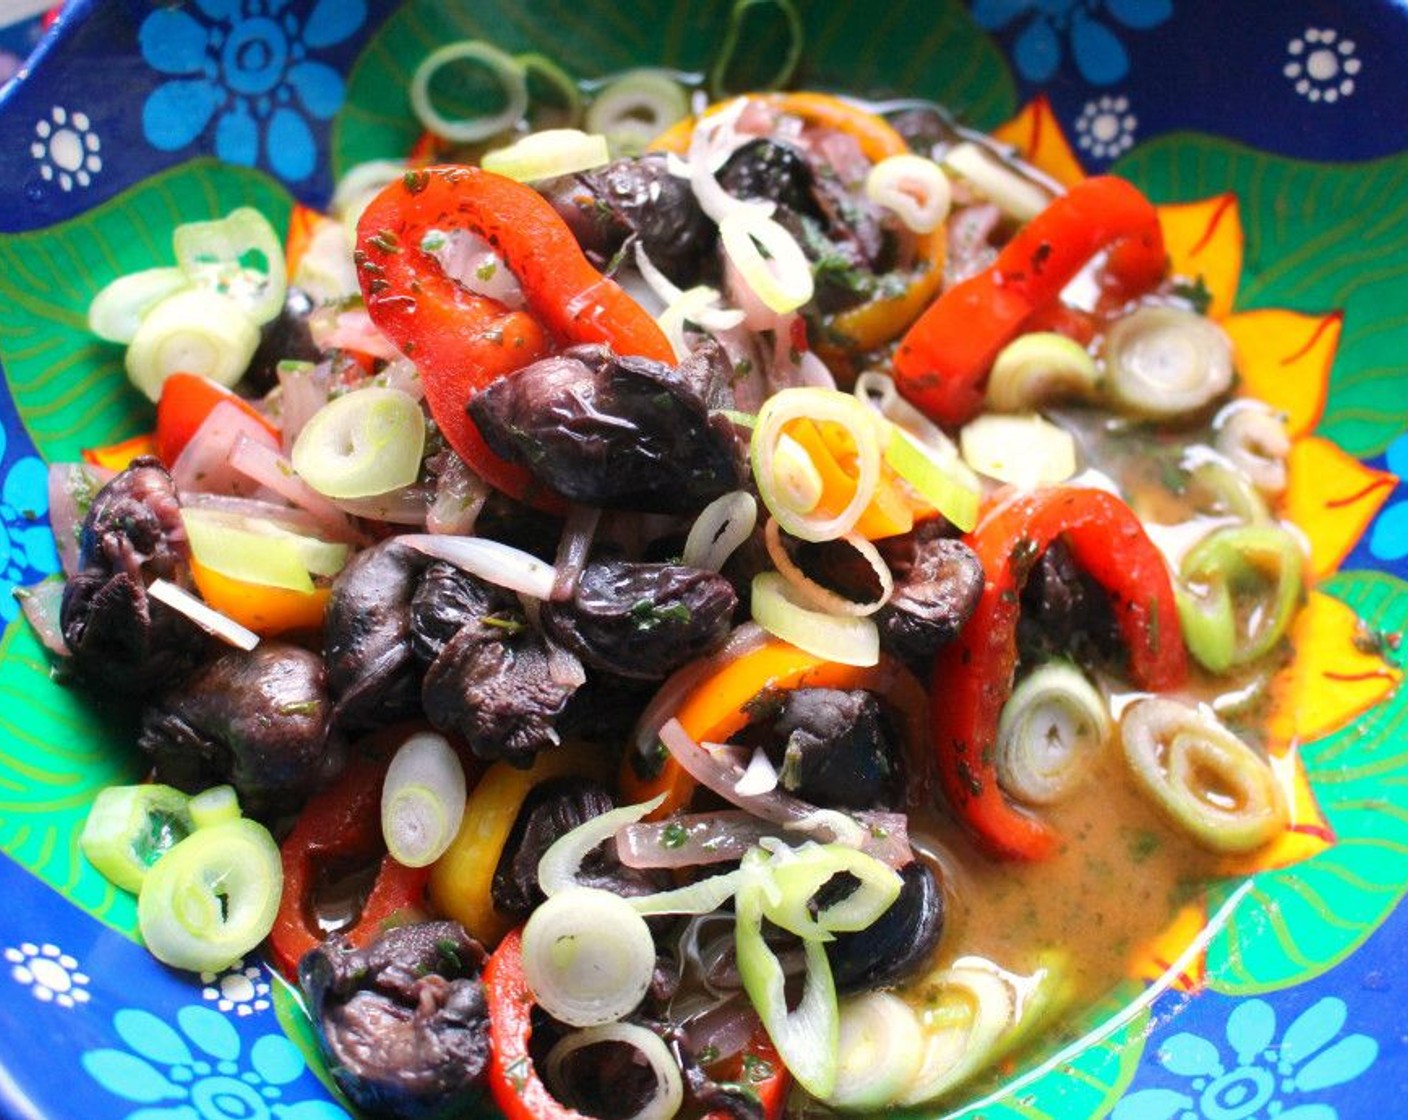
x=675, y=836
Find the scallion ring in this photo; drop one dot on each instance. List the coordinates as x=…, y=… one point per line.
x=722, y=525
x=215, y=806
x=422, y=800
x=555, y=79
x=1038, y=368
x=728, y=56
x=796, y=875
x=969, y=1010
x=195, y=330
x=588, y=956
x=1238, y=589
x=118, y=309
x=212, y=898
x=845, y=639
x=882, y=1049
x=362, y=443
x=666, y=1095
x=1253, y=438
x=1016, y=196
x=788, y=503
x=1051, y=729
x=1201, y=776
x=503, y=70
x=1164, y=362
x=1218, y=489
x=129, y=828
x=1026, y=450
x=240, y=255
x=818, y=595
x=914, y=188
x=634, y=108
x=548, y=154
x=768, y=259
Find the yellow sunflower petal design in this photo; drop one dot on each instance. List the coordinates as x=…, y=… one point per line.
x=1333, y=497
x=1205, y=242
x=1036, y=135
x=1284, y=359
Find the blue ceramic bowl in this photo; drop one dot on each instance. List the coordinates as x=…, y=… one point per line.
x=1275, y=136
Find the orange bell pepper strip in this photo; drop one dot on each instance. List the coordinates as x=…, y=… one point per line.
x=878, y=321
x=186, y=401
x=943, y=360
x=720, y=706
x=972, y=677
x=462, y=341
x=265, y=610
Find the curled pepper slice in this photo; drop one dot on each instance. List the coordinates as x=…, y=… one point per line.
x=973, y=675
x=944, y=358
x=462, y=341
x=341, y=827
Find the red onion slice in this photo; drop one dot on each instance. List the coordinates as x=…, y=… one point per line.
x=885, y=836
x=573, y=548
x=40, y=605
x=205, y=462
x=72, y=487
x=262, y=463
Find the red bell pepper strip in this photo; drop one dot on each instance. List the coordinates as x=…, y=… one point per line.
x=186, y=400
x=341, y=826
x=973, y=675
x=513, y=1078
x=760, y=1071
x=462, y=341
x=944, y=358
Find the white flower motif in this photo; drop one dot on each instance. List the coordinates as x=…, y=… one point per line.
x=240, y=988
x=67, y=148
x=50, y=974
x=1105, y=127
x=1322, y=65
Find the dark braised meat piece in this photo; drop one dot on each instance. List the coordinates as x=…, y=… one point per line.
x=367, y=637
x=937, y=584
x=257, y=720
x=124, y=642
x=1066, y=613
x=403, y=1023
x=284, y=338
x=774, y=172
x=898, y=943
x=637, y=196
x=642, y=620
x=924, y=127
x=614, y=432
x=494, y=680
x=834, y=748
x=552, y=810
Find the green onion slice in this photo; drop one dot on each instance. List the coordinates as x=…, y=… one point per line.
x=881, y=1051
x=914, y=188
x=722, y=525
x=1202, y=777
x=797, y=874
x=634, y=108
x=808, y=1036
x=240, y=256
x=1239, y=588
x=723, y=81
x=817, y=595
x=788, y=481
x=588, y=956
x=1026, y=450
x=422, y=800
x=666, y=1095
x=1052, y=728
x=548, y=154
x=212, y=898
x=257, y=551
x=542, y=74
x=845, y=639
x=504, y=71
x=1165, y=362
x=768, y=258
x=1254, y=439
x=968, y=1011
x=118, y=309
x=194, y=330
x=130, y=827
x=1015, y=195
x=215, y=806
x=363, y=443
x=1038, y=368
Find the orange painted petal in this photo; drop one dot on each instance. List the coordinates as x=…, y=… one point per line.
x=1204, y=241
x=1284, y=359
x=1333, y=497
x=1331, y=681
x=1036, y=134
x=1152, y=960
x=118, y=456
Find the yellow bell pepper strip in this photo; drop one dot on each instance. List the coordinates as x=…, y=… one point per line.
x=721, y=705
x=972, y=677
x=943, y=360
x=462, y=341
x=461, y=880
